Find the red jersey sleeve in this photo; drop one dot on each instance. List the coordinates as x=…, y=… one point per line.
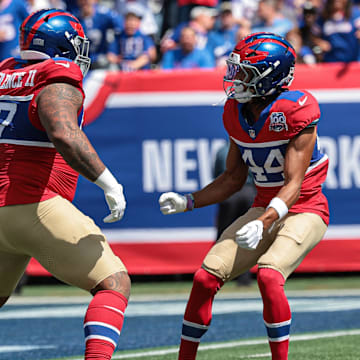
x=302, y=113
x=62, y=70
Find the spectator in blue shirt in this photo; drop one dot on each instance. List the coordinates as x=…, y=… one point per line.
x=202, y=20
x=187, y=55
x=222, y=39
x=340, y=31
x=270, y=19
x=12, y=14
x=99, y=24
x=132, y=50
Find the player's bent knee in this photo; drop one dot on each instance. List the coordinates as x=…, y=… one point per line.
x=207, y=281
x=3, y=300
x=270, y=281
x=119, y=282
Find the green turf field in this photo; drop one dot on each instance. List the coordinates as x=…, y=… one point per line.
x=343, y=344
x=184, y=287
x=339, y=345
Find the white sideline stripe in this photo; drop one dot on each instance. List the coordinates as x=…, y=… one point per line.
x=204, y=98
x=204, y=234
x=236, y=344
x=18, y=348
x=177, y=307
x=67, y=300
x=255, y=356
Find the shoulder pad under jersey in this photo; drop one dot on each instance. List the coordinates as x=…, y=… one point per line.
x=300, y=108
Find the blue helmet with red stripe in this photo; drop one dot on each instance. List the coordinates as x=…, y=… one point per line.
x=53, y=33
x=260, y=65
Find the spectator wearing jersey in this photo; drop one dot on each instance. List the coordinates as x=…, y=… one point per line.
x=132, y=50
x=340, y=31
x=12, y=14
x=222, y=39
x=309, y=29
x=270, y=19
x=202, y=22
x=149, y=23
x=187, y=55
x=304, y=54
x=185, y=8
x=99, y=23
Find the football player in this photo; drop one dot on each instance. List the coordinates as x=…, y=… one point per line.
x=42, y=151
x=273, y=133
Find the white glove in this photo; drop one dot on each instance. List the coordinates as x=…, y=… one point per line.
x=117, y=204
x=249, y=236
x=172, y=203
x=113, y=194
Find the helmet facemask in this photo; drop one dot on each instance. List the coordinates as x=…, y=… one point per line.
x=243, y=81
x=81, y=46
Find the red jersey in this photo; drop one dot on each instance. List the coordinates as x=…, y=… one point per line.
x=31, y=170
x=263, y=146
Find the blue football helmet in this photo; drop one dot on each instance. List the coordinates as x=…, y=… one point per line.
x=260, y=65
x=53, y=33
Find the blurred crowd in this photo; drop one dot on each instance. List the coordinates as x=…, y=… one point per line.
x=129, y=35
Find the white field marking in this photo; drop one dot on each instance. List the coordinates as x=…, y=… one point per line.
x=177, y=307
x=255, y=356
x=227, y=345
x=63, y=300
x=18, y=348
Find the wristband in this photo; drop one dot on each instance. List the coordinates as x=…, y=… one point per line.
x=279, y=206
x=106, y=180
x=189, y=202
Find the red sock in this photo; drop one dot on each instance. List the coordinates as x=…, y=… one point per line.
x=277, y=315
x=198, y=312
x=102, y=325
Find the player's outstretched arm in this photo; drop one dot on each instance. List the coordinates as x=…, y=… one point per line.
x=58, y=105
x=229, y=182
